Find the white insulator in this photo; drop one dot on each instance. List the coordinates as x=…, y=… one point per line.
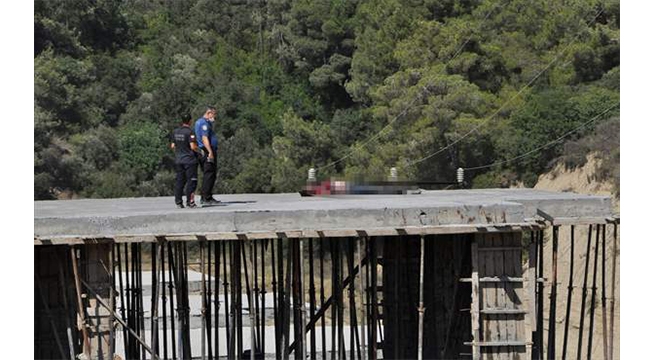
x=393, y=174
x=460, y=175
x=311, y=174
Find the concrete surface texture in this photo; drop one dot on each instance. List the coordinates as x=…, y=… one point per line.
x=289, y=212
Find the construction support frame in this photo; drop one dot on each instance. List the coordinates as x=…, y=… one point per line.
x=321, y=297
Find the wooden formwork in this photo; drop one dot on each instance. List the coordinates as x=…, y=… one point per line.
x=498, y=297
x=407, y=296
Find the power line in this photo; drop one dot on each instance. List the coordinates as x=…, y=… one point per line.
x=545, y=145
x=482, y=123
x=410, y=105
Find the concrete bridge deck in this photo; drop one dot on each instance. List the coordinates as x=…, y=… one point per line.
x=267, y=214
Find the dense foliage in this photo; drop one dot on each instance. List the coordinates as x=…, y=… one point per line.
x=304, y=83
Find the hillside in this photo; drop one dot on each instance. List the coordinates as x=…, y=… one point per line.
x=349, y=87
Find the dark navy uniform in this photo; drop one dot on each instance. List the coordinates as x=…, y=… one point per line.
x=186, y=164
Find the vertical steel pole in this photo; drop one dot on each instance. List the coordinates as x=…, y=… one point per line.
x=172, y=314
x=421, y=307
x=276, y=317
x=227, y=250
x=321, y=255
x=281, y=308
x=551, y=325
x=203, y=305
x=263, y=255
x=122, y=290
x=592, y=306
x=603, y=301
x=256, y=293
x=179, y=301
x=334, y=306
x=111, y=336
x=540, y=295
x=569, y=296
x=217, y=302
x=339, y=281
x=352, y=308
x=373, y=300
x=239, y=253
x=312, y=298
x=584, y=293
x=141, y=348
x=75, y=268
x=251, y=304
x=364, y=325
x=164, y=298
x=397, y=261
x=286, y=302
x=297, y=296
x=64, y=293
x=303, y=308
x=129, y=308
x=209, y=300
x=155, y=277
x=612, y=300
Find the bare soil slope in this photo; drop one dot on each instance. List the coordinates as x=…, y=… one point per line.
x=581, y=180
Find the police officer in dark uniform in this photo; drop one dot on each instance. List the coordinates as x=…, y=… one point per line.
x=186, y=162
x=208, y=143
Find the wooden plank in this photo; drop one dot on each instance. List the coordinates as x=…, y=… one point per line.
x=476, y=350
x=300, y=233
x=497, y=343
x=520, y=326
x=500, y=248
x=508, y=303
x=530, y=319
x=136, y=239
x=497, y=279
x=513, y=256
x=225, y=236
x=503, y=311
x=581, y=220
x=488, y=325
x=500, y=295
x=182, y=238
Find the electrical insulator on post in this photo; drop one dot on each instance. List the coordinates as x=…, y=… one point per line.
x=311, y=175
x=460, y=175
x=393, y=174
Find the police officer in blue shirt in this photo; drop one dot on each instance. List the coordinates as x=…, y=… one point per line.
x=207, y=141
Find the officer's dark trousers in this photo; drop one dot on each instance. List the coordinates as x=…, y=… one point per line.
x=186, y=178
x=209, y=169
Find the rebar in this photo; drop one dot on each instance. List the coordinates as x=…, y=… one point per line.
x=217, y=303
x=584, y=294
x=354, y=306
x=613, y=293
x=592, y=306
x=540, y=295
x=567, y=317
x=171, y=271
x=421, y=304
x=551, y=322
x=603, y=302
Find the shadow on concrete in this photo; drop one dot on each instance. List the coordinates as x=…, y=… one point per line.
x=225, y=203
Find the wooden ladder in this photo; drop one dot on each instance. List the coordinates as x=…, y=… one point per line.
x=497, y=310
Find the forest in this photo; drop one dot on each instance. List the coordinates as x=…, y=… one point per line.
x=349, y=87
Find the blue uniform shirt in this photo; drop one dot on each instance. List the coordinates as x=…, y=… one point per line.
x=203, y=127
